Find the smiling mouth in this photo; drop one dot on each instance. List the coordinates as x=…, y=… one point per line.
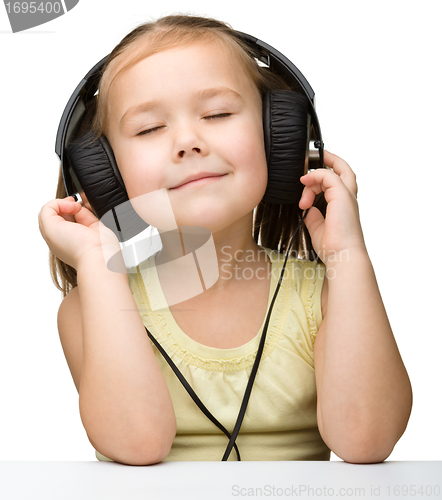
x=200, y=182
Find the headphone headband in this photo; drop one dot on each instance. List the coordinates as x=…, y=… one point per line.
x=87, y=88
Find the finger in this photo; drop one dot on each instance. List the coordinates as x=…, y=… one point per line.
x=342, y=168
x=321, y=179
x=340, y=175
x=317, y=181
x=313, y=219
x=307, y=198
x=55, y=211
x=59, y=207
x=68, y=208
x=85, y=217
x=68, y=217
x=72, y=209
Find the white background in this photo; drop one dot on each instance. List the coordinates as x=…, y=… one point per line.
x=375, y=68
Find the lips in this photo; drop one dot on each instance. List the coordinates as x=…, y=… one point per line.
x=201, y=175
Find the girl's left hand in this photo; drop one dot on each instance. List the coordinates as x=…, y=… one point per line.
x=341, y=229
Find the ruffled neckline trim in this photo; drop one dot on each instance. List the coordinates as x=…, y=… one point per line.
x=168, y=333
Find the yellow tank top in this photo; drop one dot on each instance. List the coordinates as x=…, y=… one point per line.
x=280, y=422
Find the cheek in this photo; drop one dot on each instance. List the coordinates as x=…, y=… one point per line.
x=140, y=168
x=248, y=152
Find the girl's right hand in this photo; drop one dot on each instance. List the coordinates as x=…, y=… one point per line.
x=71, y=231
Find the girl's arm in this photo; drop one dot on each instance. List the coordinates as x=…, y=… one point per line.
x=364, y=393
x=125, y=405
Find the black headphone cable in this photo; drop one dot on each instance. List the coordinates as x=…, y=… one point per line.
x=232, y=437
x=248, y=390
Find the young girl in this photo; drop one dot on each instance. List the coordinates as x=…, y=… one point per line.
x=179, y=100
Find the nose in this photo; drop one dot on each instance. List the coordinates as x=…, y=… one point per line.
x=183, y=152
x=189, y=142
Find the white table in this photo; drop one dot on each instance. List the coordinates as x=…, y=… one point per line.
x=218, y=480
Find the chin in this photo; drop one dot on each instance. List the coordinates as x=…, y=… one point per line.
x=207, y=222
x=210, y=217
x=214, y=210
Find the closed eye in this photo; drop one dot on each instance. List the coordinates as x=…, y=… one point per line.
x=149, y=130
x=220, y=115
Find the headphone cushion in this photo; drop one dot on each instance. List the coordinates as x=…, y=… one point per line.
x=286, y=134
x=94, y=164
x=95, y=167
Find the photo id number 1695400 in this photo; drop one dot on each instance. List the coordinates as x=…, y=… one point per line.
x=33, y=7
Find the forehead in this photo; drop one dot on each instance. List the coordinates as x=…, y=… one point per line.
x=174, y=70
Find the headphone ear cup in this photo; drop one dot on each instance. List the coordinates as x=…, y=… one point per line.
x=94, y=165
x=286, y=134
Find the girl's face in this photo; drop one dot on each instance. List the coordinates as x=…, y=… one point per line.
x=190, y=112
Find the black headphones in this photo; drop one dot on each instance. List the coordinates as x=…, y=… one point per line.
x=90, y=170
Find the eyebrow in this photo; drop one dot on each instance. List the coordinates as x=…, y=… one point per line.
x=202, y=95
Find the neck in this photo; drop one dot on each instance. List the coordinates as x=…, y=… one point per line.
x=237, y=255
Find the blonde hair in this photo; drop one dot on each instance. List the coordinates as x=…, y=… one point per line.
x=168, y=33
x=274, y=224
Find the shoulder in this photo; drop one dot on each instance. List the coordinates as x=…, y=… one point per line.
x=306, y=276
x=69, y=307
x=309, y=276
x=70, y=333
x=308, y=285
